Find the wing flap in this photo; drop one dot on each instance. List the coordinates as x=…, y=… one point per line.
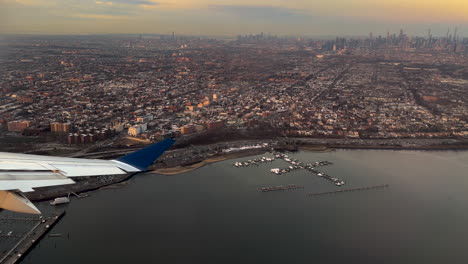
x=26, y=166
x=26, y=181
x=77, y=170
x=27, y=186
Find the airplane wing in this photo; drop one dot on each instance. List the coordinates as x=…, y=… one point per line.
x=23, y=172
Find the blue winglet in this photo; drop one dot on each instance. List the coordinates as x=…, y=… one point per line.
x=144, y=157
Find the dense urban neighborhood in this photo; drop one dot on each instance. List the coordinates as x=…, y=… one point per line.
x=84, y=89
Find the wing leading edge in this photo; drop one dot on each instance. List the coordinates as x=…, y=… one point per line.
x=143, y=158
x=24, y=172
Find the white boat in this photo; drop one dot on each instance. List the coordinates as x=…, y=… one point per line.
x=275, y=170
x=60, y=200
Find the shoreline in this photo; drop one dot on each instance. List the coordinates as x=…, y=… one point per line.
x=52, y=192
x=314, y=145
x=315, y=148
x=175, y=170
x=169, y=171
x=397, y=147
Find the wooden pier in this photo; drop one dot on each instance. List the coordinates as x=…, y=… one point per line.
x=29, y=240
x=281, y=188
x=351, y=190
x=30, y=219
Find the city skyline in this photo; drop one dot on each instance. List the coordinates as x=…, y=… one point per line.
x=228, y=18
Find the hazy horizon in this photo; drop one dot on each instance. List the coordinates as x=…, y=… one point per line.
x=230, y=18
x=218, y=36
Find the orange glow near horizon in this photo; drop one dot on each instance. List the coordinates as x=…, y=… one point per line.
x=214, y=16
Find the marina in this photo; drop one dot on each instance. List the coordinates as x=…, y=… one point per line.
x=294, y=165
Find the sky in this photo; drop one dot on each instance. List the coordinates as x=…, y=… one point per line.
x=233, y=17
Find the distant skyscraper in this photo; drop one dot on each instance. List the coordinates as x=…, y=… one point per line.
x=429, y=36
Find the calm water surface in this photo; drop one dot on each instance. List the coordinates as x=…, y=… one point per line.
x=216, y=215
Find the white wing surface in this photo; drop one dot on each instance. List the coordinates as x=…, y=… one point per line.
x=24, y=172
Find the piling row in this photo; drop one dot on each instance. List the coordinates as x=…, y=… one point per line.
x=280, y=188
x=351, y=190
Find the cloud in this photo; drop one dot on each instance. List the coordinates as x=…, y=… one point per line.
x=136, y=2
x=98, y=16
x=103, y=3
x=28, y=2
x=130, y=3
x=258, y=12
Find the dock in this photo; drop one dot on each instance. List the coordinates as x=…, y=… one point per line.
x=257, y=162
x=280, y=188
x=31, y=238
x=82, y=195
x=334, y=180
x=351, y=190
